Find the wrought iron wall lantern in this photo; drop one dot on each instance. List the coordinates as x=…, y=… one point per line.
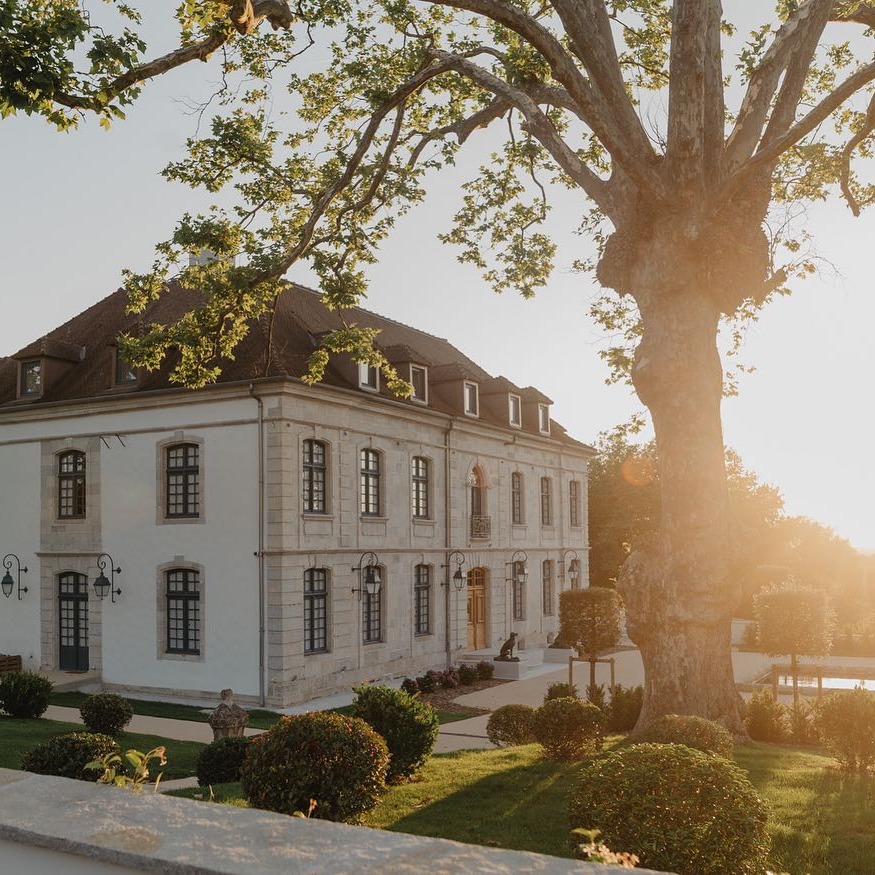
x=104, y=585
x=370, y=579
x=8, y=582
x=458, y=558
x=571, y=566
x=519, y=568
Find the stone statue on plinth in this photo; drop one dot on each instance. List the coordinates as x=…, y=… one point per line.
x=228, y=719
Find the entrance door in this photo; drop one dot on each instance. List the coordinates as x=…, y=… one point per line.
x=73, y=617
x=476, y=608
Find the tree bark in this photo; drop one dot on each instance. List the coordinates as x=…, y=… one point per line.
x=679, y=589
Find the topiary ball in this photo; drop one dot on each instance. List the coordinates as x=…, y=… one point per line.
x=106, y=713
x=510, y=725
x=66, y=756
x=221, y=761
x=568, y=729
x=410, y=727
x=24, y=694
x=338, y=761
x=695, y=732
x=677, y=809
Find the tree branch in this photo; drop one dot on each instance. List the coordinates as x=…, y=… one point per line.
x=847, y=152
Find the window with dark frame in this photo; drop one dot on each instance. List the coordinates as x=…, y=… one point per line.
x=31, y=378
x=372, y=616
x=370, y=483
x=419, y=381
x=547, y=582
x=314, y=470
x=546, y=501
x=519, y=591
x=422, y=599
x=516, y=498
x=574, y=504
x=71, y=485
x=183, y=481
x=419, y=487
x=124, y=373
x=183, y=611
x=315, y=610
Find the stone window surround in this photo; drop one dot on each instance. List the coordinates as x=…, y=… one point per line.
x=430, y=587
x=161, y=518
x=326, y=445
x=368, y=476
x=329, y=626
x=161, y=610
x=429, y=484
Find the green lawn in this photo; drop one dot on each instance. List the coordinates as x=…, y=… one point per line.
x=17, y=737
x=822, y=822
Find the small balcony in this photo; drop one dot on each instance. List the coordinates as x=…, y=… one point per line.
x=481, y=527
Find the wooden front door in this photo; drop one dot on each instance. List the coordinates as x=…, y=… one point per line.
x=73, y=622
x=476, y=608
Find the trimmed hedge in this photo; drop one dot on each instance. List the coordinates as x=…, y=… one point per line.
x=766, y=719
x=510, y=725
x=846, y=724
x=410, y=727
x=222, y=761
x=695, y=732
x=675, y=808
x=106, y=713
x=66, y=756
x=24, y=694
x=568, y=729
x=339, y=761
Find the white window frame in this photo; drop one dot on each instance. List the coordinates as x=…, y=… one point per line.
x=544, y=418
x=475, y=389
x=365, y=382
x=414, y=396
x=22, y=368
x=516, y=421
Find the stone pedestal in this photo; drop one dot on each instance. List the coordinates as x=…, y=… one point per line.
x=229, y=719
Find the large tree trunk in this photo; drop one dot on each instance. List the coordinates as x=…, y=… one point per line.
x=679, y=590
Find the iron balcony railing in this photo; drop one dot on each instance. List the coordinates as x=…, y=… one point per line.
x=481, y=526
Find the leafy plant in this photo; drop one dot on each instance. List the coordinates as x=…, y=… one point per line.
x=339, y=761
x=428, y=682
x=24, y=694
x=409, y=727
x=467, y=674
x=115, y=770
x=449, y=679
x=561, y=690
x=410, y=686
x=694, y=732
x=221, y=761
x=624, y=708
x=595, y=693
x=675, y=808
x=568, y=729
x=106, y=713
x=766, y=718
x=510, y=725
x=485, y=670
x=846, y=723
x=587, y=847
x=67, y=756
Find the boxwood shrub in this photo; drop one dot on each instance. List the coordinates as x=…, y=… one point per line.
x=410, y=727
x=24, y=694
x=67, y=755
x=695, y=732
x=338, y=761
x=846, y=724
x=510, y=725
x=677, y=809
x=561, y=690
x=106, y=713
x=221, y=761
x=568, y=729
x=485, y=670
x=467, y=674
x=625, y=708
x=767, y=719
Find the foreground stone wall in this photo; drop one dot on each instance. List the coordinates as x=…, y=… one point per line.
x=49, y=825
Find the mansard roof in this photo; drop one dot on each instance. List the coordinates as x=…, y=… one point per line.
x=301, y=319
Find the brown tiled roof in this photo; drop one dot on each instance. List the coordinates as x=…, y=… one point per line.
x=301, y=319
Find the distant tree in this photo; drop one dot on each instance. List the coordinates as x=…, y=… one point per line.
x=795, y=620
x=590, y=621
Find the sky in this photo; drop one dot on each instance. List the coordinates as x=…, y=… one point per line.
x=77, y=208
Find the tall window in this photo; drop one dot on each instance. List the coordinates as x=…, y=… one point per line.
x=315, y=610
x=519, y=591
x=574, y=504
x=547, y=582
x=183, y=480
x=314, y=474
x=515, y=410
x=419, y=487
x=516, y=498
x=421, y=599
x=372, y=615
x=71, y=485
x=31, y=379
x=546, y=501
x=370, y=483
x=368, y=377
x=472, y=400
x=544, y=418
x=183, y=611
x=419, y=381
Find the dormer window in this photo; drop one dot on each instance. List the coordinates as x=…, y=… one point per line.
x=419, y=381
x=31, y=385
x=471, y=399
x=515, y=410
x=124, y=372
x=544, y=418
x=368, y=377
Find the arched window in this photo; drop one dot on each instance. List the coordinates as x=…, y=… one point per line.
x=370, y=483
x=71, y=485
x=314, y=469
x=315, y=610
x=183, y=480
x=480, y=521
